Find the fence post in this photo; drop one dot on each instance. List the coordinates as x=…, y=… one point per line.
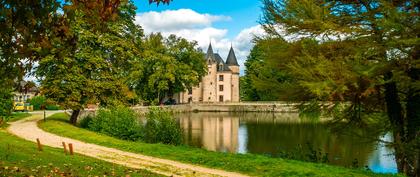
x=39, y=144
x=71, y=148
x=65, y=148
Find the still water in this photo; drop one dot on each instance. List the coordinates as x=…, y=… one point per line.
x=271, y=134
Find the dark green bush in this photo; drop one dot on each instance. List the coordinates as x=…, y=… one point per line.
x=52, y=107
x=162, y=127
x=6, y=105
x=37, y=102
x=120, y=122
x=84, y=123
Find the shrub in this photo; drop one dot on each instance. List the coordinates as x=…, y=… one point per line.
x=37, y=102
x=84, y=123
x=120, y=122
x=52, y=107
x=161, y=127
x=6, y=105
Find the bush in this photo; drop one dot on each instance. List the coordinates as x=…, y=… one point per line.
x=37, y=102
x=161, y=127
x=52, y=107
x=84, y=123
x=120, y=122
x=6, y=105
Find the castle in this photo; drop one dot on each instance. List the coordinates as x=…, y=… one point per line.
x=221, y=84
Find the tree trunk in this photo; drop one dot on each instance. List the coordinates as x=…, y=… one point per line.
x=395, y=115
x=413, y=124
x=74, y=116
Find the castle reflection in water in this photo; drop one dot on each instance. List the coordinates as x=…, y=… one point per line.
x=270, y=134
x=221, y=131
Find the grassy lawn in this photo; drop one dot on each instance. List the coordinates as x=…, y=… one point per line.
x=250, y=164
x=18, y=115
x=21, y=158
x=14, y=117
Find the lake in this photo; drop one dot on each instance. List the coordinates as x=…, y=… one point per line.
x=286, y=134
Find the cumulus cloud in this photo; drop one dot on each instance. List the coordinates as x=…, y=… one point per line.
x=170, y=20
x=192, y=25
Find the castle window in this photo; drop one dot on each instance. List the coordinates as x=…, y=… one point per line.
x=189, y=91
x=220, y=87
x=221, y=78
x=221, y=98
x=221, y=67
x=211, y=83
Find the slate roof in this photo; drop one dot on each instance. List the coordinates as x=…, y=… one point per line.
x=210, y=54
x=215, y=57
x=231, y=59
x=220, y=60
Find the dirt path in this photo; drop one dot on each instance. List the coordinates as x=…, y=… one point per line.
x=28, y=129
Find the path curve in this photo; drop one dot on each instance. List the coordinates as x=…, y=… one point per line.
x=27, y=129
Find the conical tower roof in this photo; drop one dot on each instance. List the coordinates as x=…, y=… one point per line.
x=231, y=59
x=210, y=53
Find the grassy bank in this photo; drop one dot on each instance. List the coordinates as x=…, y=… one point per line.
x=18, y=115
x=14, y=117
x=21, y=158
x=250, y=164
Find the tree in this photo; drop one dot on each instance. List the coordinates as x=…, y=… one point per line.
x=167, y=66
x=89, y=63
x=265, y=78
x=366, y=52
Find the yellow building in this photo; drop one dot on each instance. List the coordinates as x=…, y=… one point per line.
x=221, y=84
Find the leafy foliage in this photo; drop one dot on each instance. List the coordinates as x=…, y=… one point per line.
x=363, y=53
x=167, y=66
x=162, y=127
x=37, y=102
x=267, y=78
x=123, y=123
x=6, y=105
x=88, y=64
x=120, y=122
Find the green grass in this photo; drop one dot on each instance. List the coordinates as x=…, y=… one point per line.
x=250, y=164
x=18, y=115
x=19, y=157
x=14, y=117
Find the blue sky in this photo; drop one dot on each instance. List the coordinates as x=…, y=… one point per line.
x=221, y=22
x=244, y=13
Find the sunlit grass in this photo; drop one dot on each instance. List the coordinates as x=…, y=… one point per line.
x=19, y=157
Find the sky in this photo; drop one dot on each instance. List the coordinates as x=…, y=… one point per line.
x=224, y=22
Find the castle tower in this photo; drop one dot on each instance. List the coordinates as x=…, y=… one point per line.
x=209, y=81
x=233, y=65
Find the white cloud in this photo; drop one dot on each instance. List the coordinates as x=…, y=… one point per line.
x=170, y=20
x=191, y=25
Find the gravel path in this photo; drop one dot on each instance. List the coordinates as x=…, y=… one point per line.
x=27, y=129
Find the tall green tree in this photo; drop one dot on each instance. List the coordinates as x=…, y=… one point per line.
x=265, y=78
x=30, y=31
x=24, y=25
x=167, y=66
x=90, y=62
x=366, y=52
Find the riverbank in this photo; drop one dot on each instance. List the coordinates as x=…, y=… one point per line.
x=278, y=107
x=269, y=107
x=19, y=157
x=255, y=165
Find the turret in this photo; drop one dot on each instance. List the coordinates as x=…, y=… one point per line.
x=210, y=55
x=232, y=62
